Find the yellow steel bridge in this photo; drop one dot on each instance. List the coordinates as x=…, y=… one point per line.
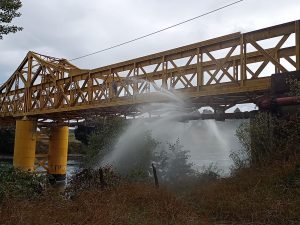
x=219, y=72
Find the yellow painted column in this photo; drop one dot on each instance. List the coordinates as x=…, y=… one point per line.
x=58, y=152
x=25, y=144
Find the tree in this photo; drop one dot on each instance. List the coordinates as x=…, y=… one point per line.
x=266, y=139
x=140, y=153
x=7, y=141
x=82, y=133
x=8, y=11
x=173, y=164
x=237, y=110
x=101, y=138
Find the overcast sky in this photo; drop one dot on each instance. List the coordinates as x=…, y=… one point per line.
x=71, y=28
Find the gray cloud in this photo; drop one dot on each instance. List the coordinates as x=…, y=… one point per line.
x=71, y=28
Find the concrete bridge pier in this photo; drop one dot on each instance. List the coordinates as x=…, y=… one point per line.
x=58, y=152
x=25, y=144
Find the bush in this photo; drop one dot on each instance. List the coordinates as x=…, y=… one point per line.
x=260, y=195
x=102, y=139
x=267, y=138
x=209, y=173
x=20, y=184
x=92, y=178
x=173, y=165
x=7, y=140
x=135, y=165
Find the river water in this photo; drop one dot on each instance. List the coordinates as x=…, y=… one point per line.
x=74, y=164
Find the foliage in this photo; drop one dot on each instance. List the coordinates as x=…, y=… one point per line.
x=209, y=173
x=8, y=11
x=16, y=183
x=7, y=140
x=129, y=203
x=102, y=139
x=237, y=110
x=173, y=165
x=103, y=177
x=262, y=195
x=171, y=161
x=256, y=195
x=267, y=138
x=136, y=166
x=76, y=148
x=294, y=85
x=82, y=132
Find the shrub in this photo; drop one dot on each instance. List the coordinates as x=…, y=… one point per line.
x=103, y=177
x=20, y=184
x=267, y=138
x=102, y=139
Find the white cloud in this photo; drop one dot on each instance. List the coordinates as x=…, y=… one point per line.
x=71, y=28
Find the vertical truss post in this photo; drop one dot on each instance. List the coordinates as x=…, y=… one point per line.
x=243, y=52
x=110, y=91
x=58, y=93
x=172, y=86
x=297, y=31
x=234, y=70
x=165, y=68
x=72, y=92
x=277, y=58
x=199, y=69
x=41, y=97
x=90, y=91
x=27, y=94
x=135, y=80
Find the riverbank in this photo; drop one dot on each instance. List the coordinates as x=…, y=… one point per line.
x=261, y=195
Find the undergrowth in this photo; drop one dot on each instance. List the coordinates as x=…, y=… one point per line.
x=19, y=184
x=264, y=188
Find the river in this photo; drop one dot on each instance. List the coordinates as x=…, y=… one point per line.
x=74, y=163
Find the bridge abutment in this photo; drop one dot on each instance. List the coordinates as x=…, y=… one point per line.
x=58, y=152
x=25, y=144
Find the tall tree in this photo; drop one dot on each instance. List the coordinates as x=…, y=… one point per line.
x=8, y=11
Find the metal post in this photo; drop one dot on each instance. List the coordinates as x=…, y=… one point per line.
x=155, y=175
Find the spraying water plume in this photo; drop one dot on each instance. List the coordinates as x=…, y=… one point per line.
x=207, y=141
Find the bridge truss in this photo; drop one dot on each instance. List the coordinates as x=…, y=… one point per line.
x=219, y=72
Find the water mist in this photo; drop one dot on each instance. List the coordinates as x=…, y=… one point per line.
x=207, y=141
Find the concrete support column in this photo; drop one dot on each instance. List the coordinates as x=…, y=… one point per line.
x=58, y=152
x=25, y=144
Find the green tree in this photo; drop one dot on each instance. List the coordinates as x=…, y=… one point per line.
x=294, y=85
x=7, y=141
x=136, y=165
x=173, y=164
x=8, y=11
x=138, y=152
x=102, y=139
x=267, y=138
x=82, y=133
